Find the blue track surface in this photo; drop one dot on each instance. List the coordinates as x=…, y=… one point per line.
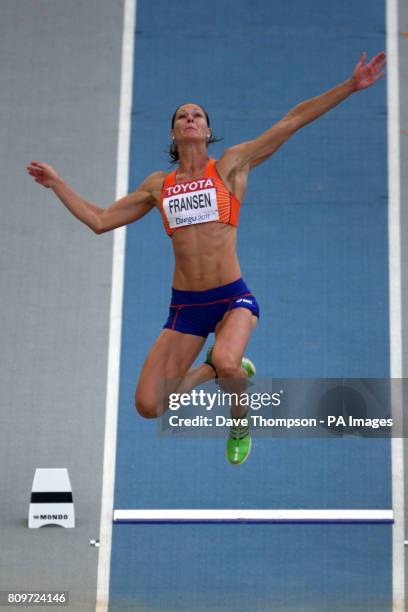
x=313, y=248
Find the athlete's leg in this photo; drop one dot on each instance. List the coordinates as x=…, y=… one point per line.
x=231, y=338
x=204, y=371
x=166, y=365
x=196, y=376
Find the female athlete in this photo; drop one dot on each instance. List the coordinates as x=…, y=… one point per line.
x=199, y=203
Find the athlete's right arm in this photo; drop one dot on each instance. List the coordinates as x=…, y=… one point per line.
x=126, y=210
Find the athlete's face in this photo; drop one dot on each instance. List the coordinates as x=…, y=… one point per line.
x=190, y=123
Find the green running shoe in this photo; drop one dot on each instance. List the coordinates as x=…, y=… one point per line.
x=239, y=440
x=239, y=443
x=246, y=363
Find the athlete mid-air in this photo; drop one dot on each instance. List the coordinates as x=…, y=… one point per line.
x=199, y=202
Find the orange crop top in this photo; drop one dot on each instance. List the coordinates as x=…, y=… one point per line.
x=197, y=201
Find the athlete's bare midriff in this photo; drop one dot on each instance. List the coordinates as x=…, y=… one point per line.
x=205, y=254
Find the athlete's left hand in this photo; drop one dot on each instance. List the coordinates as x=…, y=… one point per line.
x=365, y=75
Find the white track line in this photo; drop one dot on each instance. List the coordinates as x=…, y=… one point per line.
x=252, y=516
x=394, y=237
x=119, y=240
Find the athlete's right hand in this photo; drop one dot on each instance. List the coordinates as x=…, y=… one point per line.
x=44, y=174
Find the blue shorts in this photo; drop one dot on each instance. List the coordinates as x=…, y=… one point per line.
x=198, y=312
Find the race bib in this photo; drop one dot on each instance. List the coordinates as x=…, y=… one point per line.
x=191, y=203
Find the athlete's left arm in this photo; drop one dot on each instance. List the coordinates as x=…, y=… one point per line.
x=249, y=154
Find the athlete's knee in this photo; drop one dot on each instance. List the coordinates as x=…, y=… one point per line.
x=146, y=407
x=226, y=364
